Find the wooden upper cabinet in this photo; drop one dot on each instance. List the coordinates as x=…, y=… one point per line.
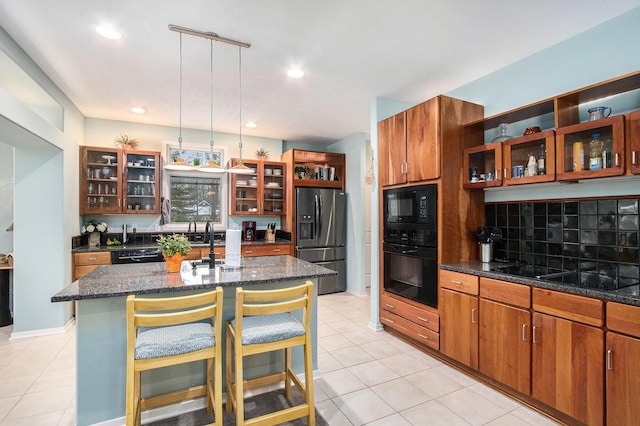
x=423, y=147
x=392, y=150
x=633, y=142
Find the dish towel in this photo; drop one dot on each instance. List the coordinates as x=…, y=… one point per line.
x=165, y=211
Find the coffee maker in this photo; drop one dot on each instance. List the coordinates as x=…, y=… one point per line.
x=248, y=230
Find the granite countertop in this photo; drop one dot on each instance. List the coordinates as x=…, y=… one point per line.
x=217, y=243
x=628, y=295
x=122, y=280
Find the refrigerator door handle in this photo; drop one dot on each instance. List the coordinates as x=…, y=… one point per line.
x=317, y=212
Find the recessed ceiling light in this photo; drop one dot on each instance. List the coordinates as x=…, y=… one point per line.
x=138, y=110
x=295, y=73
x=109, y=32
x=251, y=125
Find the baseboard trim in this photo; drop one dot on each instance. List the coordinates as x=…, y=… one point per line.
x=42, y=332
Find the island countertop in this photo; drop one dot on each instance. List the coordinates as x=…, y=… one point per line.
x=122, y=280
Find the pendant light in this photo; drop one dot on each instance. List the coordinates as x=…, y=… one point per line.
x=178, y=163
x=240, y=168
x=212, y=166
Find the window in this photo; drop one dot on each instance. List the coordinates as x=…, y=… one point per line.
x=195, y=198
x=195, y=195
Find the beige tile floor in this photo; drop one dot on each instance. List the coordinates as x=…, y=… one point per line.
x=367, y=377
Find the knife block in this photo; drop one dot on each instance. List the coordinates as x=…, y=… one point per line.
x=270, y=235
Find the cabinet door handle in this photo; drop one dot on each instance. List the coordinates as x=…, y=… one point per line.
x=617, y=159
x=390, y=306
x=533, y=334
x=423, y=336
x=504, y=172
x=609, y=364
x=633, y=157
x=473, y=315
x=423, y=319
x=524, y=332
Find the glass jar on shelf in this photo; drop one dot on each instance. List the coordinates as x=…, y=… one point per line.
x=503, y=133
x=595, y=154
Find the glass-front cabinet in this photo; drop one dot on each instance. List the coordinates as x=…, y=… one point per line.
x=590, y=150
x=142, y=180
x=100, y=180
x=260, y=193
x=530, y=158
x=483, y=165
x=113, y=181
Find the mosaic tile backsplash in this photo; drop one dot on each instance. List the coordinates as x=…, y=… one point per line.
x=596, y=238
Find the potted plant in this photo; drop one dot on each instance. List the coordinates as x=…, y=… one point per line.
x=262, y=154
x=301, y=171
x=174, y=248
x=126, y=142
x=94, y=229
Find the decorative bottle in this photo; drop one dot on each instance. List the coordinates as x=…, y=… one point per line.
x=595, y=156
x=541, y=161
x=532, y=166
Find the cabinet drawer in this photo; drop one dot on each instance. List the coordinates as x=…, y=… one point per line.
x=410, y=329
x=265, y=250
x=505, y=292
x=193, y=254
x=81, y=271
x=569, y=306
x=93, y=258
x=623, y=318
x=422, y=317
x=456, y=281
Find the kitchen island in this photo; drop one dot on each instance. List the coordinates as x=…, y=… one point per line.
x=101, y=324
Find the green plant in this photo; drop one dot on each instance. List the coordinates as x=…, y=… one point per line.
x=196, y=162
x=172, y=244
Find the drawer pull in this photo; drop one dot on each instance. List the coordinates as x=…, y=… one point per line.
x=93, y=258
x=524, y=332
x=456, y=282
x=248, y=251
x=390, y=306
x=276, y=250
x=423, y=319
x=609, y=364
x=423, y=336
x=394, y=323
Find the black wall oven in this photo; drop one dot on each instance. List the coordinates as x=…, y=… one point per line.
x=410, y=243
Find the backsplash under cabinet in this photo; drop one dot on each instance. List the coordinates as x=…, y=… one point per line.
x=598, y=238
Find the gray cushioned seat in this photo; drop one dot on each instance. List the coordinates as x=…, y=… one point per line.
x=269, y=328
x=156, y=342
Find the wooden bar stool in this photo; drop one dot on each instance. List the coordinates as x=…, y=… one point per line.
x=169, y=331
x=264, y=323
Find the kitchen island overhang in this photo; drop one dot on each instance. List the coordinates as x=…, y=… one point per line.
x=101, y=324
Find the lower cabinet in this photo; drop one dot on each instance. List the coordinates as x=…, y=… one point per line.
x=83, y=263
x=505, y=346
x=622, y=361
x=459, y=326
x=266, y=250
x=419, y=323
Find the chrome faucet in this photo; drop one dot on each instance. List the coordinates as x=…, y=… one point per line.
x=190, y=236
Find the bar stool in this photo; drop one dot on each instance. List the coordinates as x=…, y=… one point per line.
x=264, y=323
x=169, y=331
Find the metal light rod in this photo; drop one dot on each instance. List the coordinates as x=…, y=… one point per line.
x=207, y=35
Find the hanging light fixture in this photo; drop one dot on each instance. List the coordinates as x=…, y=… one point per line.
x=212, y=166
x=240, y=168
x=178, y=163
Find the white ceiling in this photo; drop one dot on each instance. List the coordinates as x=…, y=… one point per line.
x=351, y=50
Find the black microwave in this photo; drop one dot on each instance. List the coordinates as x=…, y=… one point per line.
x=410, y=215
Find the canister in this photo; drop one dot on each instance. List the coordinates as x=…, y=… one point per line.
x=578, y=156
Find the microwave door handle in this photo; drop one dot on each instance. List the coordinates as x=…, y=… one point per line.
x=403, y=250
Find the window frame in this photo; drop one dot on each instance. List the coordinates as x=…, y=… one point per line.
x=224, y=184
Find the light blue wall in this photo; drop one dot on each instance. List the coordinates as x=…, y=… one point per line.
x=606, y=51
x=355, y=148
x=6, y=197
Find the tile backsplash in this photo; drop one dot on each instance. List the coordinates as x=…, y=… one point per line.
x=597, y=237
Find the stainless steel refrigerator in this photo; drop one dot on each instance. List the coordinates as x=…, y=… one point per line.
x=321, y=233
